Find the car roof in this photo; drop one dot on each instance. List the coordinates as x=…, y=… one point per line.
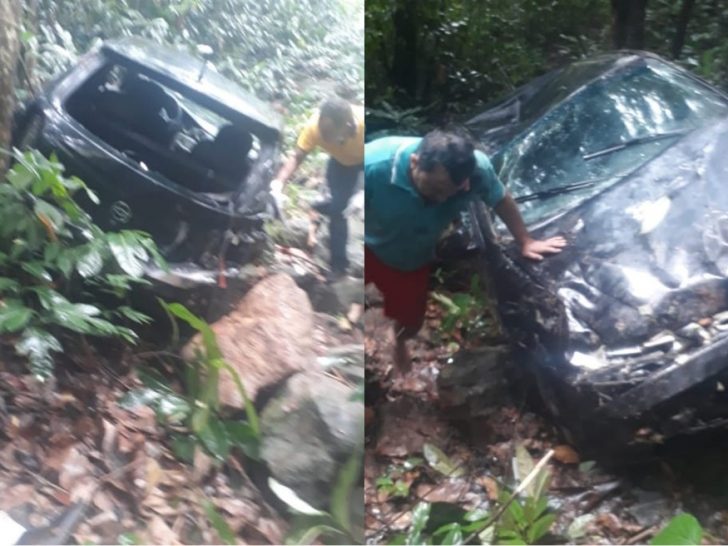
x=180, y=72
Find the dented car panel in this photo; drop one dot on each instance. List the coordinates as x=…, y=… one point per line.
x=169, y=147
x=627, y=328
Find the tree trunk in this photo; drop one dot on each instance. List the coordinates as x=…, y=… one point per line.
x=404, y=63
x=682, y=27
x=628, y=26
x=9, y=49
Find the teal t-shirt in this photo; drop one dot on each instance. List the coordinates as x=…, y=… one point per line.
x=402, y=229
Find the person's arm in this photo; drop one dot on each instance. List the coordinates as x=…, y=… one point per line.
x=507, y=210
x=290, y=166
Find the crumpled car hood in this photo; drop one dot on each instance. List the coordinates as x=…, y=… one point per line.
x=645, y=275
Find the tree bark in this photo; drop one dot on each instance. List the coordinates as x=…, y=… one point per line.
x=628, y=25
x=682, y=27
x=404, y=62
x=9, y=49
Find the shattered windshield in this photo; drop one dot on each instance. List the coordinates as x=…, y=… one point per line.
x=620, y=113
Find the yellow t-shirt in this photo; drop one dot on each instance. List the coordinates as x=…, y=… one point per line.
x=349, y=153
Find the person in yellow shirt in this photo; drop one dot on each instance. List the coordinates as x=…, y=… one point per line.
x=338, y=128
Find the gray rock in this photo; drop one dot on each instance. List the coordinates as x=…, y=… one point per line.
x=476, y=382
x=293, y=233
x=347, y=359
x=336, y=298
x=310, y=429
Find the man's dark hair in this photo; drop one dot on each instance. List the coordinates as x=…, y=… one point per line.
x=337, y=110
x=453, y=151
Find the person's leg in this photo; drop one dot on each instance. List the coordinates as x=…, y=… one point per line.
x=405, y=301
x=342, y=182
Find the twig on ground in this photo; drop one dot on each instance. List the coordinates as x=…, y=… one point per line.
x=522, y=486
x=639, y=537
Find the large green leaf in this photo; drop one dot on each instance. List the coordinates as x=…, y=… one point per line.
x=91, y=261
x=245, y=437
x=682, y=529
x=8, y=285
x=37, y=345
x=420, y=516
x=14, y=316
x=214, y=437
x=129, y=254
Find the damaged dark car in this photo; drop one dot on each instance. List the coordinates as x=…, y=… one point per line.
x=625, y=331
x=170, y=146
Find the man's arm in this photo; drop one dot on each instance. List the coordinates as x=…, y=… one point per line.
x=507, y=210
x=290, y=166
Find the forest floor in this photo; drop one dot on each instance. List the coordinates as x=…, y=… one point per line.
x=592, y=504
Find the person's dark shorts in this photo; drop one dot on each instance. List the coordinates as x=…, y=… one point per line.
x=404, y=292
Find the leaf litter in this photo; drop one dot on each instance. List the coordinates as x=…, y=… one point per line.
x=593, y=505
x=76, y=466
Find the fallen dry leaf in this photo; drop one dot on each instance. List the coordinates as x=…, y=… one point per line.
x=74, y=467
x=154, y=475
x=450, y=491
x=490, y=486
x=160, y=533
x=565, y=454
x=16, y=495
x=355, y=312
x=609, y=522
x=202, y=464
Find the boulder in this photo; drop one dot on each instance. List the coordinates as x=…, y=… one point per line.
x=336, y=298
x=310, y=428
x=267, y=337
x=476, y=383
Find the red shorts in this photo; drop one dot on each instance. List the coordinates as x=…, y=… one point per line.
x=405, y=292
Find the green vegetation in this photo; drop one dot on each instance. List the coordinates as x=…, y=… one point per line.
x=199, y=407
x=55, y=264
x=453, y=57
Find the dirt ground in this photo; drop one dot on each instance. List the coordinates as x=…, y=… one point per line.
x=595, y=505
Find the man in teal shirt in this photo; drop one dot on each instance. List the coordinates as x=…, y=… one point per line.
x=414, y=188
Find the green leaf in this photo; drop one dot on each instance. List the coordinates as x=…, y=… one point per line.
x=487, y=535
x=219, y=523
x=129, y=254
x=243, y=436
x=14, y=316
x=134, y=315
x=682, y=529
x=129, y=539
x=183, y=447
x=308, y=529
x=440, y=462
x=214, y=437
x=91, y=262
x=540, y=528
x=587, y=466
x=341, y=495
x=250, y=411
x=37, y=345
x=522, y=463
x=8, y=285
x=452, y=533
x=43, y=209
x=420, y=515
x=38, y=270
x=20, y=176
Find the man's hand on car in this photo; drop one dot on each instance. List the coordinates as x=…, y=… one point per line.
x=276, y=192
